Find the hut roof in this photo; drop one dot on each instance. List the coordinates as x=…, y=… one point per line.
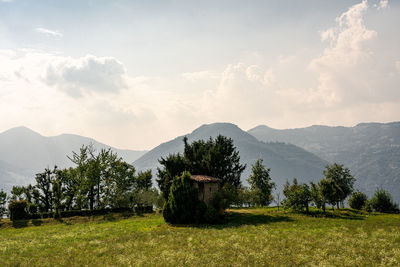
x=205, y=179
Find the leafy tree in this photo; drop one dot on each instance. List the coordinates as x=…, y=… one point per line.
x=261, y=184
x=17, y=193
x=173, y=165
x=217, y=158
x=342, y=179
x=358, y=200
x=144, y=180
x=316, y=196
x=71, y=182
x=183, y=201
x=119, y=185
x=44, y=185
x=58, y=191
x=328, y=190
x=3, y=201
x=297, y=196
x=382, y=201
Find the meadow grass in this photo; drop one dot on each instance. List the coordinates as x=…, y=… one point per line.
x=255, y=237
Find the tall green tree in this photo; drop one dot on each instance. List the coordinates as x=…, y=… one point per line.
x=329, y=192
x=297, y=196
x=343, y=180
x=172, y=165
x=261, y=183
x=183, y=203
x=215, y=157
x=44, y=185
x=382, y=201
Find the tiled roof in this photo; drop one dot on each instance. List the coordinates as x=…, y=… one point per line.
x=205, y=179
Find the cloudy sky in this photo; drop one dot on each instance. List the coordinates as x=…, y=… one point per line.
x=133, y=74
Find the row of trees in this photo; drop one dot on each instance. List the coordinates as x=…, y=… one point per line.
x=381, y=201
x=98, y=181
x=333, y=189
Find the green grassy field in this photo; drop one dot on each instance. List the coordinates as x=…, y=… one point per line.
x=253, y=237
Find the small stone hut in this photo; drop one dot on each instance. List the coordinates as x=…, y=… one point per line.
x=207, y=186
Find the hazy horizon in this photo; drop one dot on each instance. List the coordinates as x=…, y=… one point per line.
x=134, y=74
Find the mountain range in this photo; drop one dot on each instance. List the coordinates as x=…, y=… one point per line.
x=23, y=153
x=286, y=161
x=370, y=150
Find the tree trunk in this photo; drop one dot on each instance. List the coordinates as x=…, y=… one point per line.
x=307, y=211
x=91, y=198
x=323, y=207
x=337, y=204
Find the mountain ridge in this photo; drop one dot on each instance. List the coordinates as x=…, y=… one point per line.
x=29, y=152
x=370, y=150
x=285, y=160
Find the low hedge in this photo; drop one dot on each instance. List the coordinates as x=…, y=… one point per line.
x=20, y=215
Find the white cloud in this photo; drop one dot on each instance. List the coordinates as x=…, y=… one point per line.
x=86, y=74
x=383, y=4
x=349, y=68
x=49, y=32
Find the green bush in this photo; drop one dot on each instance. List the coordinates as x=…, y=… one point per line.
x=358, y=200
x=18, y=210
x=367, y=206
x=211, y=215
x=183, y=201
x=382, y=202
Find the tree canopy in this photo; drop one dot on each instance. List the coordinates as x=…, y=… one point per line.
x=261, y=183
x=215, y=157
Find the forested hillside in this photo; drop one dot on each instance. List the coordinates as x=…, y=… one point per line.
x=370, y=150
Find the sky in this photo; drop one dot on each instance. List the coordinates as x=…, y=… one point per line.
x=134, y=74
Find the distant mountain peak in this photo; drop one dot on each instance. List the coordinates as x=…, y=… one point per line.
x=21, y=130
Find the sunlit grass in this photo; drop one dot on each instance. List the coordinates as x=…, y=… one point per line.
x=250, y=237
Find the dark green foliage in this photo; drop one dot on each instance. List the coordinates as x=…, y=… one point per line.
x=211, y=215
x=316, y=196
x=44, y=185
x=297, y=196
x=261, y=183
x=329, y=192
x=182, y=201
x=217, y=158
x=18, y=210
x=33, y=209
x=3, y=201
x=17, y=193
x=144, y=180
x=382, y=202
x=358, y=200
x=342, y=179
x=173, y=165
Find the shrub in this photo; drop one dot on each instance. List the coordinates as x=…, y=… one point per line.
x=358, y=200
x=182, y=201
x=367, y=206
x=211, y=215
x=18, y=210
x=382, y=202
